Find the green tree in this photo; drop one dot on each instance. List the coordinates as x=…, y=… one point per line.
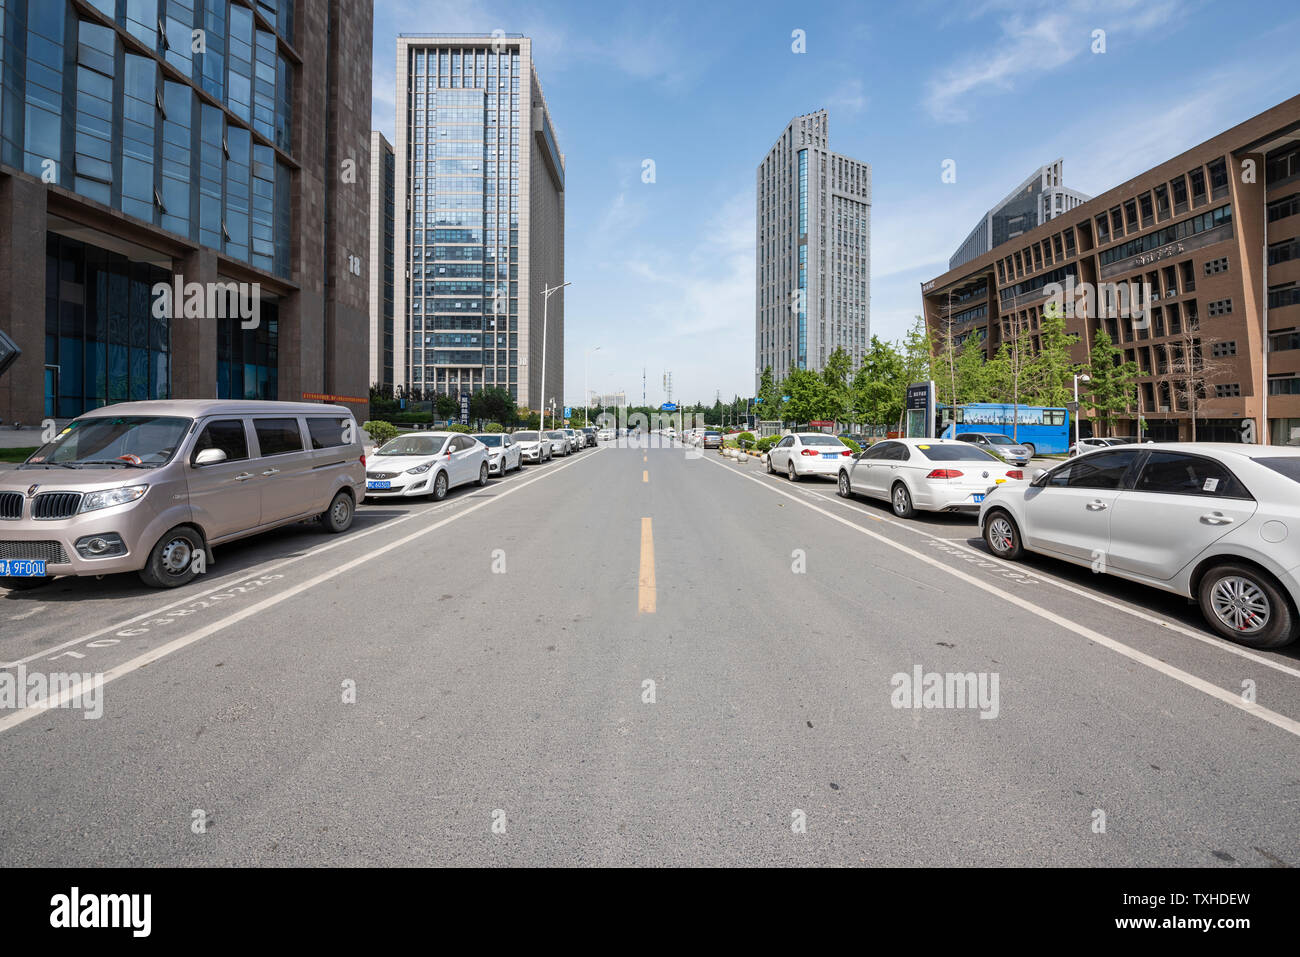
x=768, y=399
x=1113, y=389
x=835, y=377
x=808, y=396
x=878, y=388
x=446, y=406
x=971, y=373
x=1050, y=373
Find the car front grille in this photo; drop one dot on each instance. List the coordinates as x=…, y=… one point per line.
x=49, y=505
x=381, y=475
x=11, y=505
x=51, y=552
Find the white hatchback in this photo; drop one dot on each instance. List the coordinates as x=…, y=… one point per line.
x=1219, y=523
x=933, y=475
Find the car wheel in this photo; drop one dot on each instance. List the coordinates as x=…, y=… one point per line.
x=1002, y=536
x=25, y=584
x=1031, y=449
x=845, y=489
x=482, y=475
x=790, y=473
x=440, y=487
x=338, y=517
x=1246, y=606
x=770, y=470
x=171, y=561
x=901, y=499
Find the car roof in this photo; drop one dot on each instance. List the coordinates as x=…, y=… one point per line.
x=195, y=408
x=1238, y=449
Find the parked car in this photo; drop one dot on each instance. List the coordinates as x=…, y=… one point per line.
x=576, y=440
x=1219, y=523
x=807, y=453
x=1091, y=445
x=932, y=475
x=605, y=435
x=503, y=451
x=590, y=433
x=1000, y=445
x=426, y=463
x=560, y=444
x=533, y=446
x=711, y=440
x=146, y=486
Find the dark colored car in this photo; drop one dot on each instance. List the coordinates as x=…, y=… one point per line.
x=590, y=433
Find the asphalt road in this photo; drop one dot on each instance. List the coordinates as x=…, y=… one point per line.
x=500, y=646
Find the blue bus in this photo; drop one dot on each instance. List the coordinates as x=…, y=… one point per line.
x=1045, y=429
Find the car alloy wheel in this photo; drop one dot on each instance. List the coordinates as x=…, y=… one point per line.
x=440, y=487
x=483, y=475
x=902, y=500
x=1001, y=537
x=1241, y=605
x=790, y=472
x=846, y=491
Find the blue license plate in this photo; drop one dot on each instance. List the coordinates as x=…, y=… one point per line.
x=379, y=485
x=978, y=498
x=830, y=455
x=22, y=568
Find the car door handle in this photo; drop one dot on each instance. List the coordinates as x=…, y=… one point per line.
x=271, y=472
x=243, y=476
x=1097, y=506
x=1215, y=518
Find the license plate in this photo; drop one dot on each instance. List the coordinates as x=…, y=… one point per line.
x=22, y=568
x=978, y=498
x=830, y=455
x=379, y=485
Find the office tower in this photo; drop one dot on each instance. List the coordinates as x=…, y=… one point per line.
x=382, y=193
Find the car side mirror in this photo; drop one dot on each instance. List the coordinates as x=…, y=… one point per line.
x=210, y=457
x=1038, y=476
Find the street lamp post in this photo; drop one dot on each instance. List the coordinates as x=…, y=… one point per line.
x=546, y=298
x=1077, y=379
x=586, y=396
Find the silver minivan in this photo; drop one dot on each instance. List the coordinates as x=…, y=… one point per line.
x=152, y=487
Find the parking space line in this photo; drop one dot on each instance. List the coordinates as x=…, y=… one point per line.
x=1289, y=725
x=162, y=651
x=645, y=585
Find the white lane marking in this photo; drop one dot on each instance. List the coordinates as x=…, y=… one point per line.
x=1164, y=623
x=234, y=580
x=27, y=614
x=176, y=644
x=1290, y=725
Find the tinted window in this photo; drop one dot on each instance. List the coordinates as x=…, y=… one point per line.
x=412, y=445
x=1178, y=474
x=967, y=437
x=786, y=442
x=822, y=440
x=956, y=453
x=494, y=441
x=1098, y=470
x=526, y=436
x=879, y=451
x=277, y=436
x=327, y=431
x=1289, y=466
x=225, y=434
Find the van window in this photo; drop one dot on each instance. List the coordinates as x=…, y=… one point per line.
x=327, y=431
x=225, y=434
x=277, y=436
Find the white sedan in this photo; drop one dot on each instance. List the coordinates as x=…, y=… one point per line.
x=933, y=475
x=426, y=463
x=807, y=453
x=1218, y=523
x=504, y=453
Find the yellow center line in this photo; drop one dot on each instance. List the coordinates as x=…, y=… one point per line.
x=645, y=475
x=645, y=586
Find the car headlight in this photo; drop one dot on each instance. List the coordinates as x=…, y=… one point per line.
x=113, y=496
x=420, y=469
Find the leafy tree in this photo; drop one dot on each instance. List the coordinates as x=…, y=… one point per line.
x=446, y=406
x=1051, y=372
x=878, y=389
x=1113, y=389
x=768, y=399
x=971, y=373
x=835, y=377
x=379, y=431
x=808, y=395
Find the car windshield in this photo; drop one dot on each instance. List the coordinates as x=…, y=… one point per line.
x=122, y=440
x=525, y=436
x=493, y=441
x=1284, y=465
x=412, y=445
x=713, y=435
x=998, y=440
x=821, y=440
x=962, y=452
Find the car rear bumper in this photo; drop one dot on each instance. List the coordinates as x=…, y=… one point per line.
x=820, y=466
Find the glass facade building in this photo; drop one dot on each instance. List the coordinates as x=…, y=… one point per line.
x=472, y=123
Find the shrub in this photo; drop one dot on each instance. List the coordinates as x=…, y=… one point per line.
x=380, y=431
x=765, y=443
x=853, y=446
x=457, y=427
x=410, y=418
x=494, y=427
x=746, y=437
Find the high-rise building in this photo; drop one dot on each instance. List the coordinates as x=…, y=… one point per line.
x=382, y=193
x=813, y=271
x=1039, y=198
x=480, y=221
x=195, y=144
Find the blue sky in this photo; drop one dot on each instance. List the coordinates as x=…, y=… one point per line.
x=663, y=273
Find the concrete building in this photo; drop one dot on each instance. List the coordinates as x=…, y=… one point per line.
x=383, y=185
x=1039, y=198
x=813, y=242
x=480, y=222
x=195, y=141
x=1214, y=233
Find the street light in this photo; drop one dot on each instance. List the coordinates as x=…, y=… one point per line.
x=546, y=298
x=586, y=396
x=1077, y=379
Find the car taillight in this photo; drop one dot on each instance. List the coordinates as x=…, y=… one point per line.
x=1016, y=474
x=846, y=452
x=363, y=460
x=944, y=474
x=807, y=452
